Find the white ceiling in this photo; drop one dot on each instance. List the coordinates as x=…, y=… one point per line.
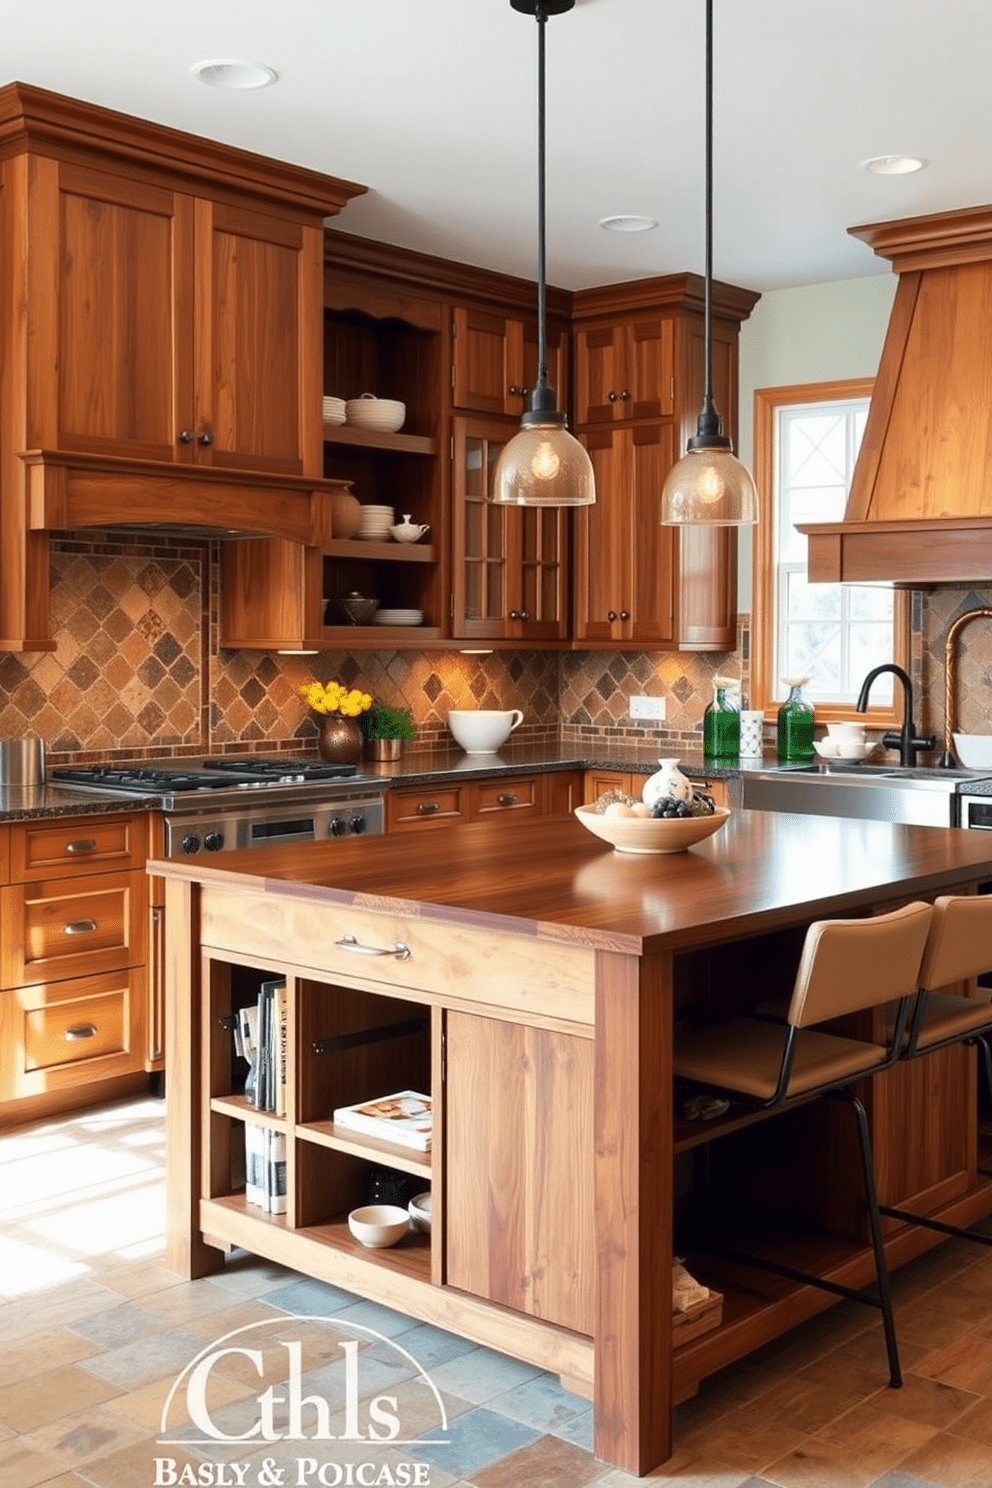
x=432, y=105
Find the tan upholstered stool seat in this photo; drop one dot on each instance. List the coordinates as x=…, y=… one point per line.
x=947, y=1017
x=746, y=1056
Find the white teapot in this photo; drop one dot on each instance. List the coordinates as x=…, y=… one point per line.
x=408, y=530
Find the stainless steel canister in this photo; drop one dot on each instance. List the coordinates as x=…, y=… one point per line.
x=22, y=761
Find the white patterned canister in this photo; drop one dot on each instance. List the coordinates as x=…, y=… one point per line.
x=752, y=722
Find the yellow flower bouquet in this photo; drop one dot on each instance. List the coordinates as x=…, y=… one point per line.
x=333, y=697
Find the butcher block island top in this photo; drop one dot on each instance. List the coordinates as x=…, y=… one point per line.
x=532, y=980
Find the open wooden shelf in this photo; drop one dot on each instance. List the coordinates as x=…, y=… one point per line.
x=385, y=552
x=378, y=635
x=387, y=1154
x=374, y=439
x=243, y=1110
x=411, y=1255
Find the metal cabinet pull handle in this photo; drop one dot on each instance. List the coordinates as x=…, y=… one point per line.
x=507, y=799
x=428, y=806
x=520, y=614
x=83, y=1031
x=186, y=436
x=205, y=438
x=79, y=927
x=82, y=845
x=518, y=392
x=349, y=943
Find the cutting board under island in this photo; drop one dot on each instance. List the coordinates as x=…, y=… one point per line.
x=548, y=973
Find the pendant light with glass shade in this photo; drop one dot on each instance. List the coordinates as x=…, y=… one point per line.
x=708, y=486
x=543, y=465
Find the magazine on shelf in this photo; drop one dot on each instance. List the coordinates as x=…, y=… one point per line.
x=404, y=1118
x=261, y=1037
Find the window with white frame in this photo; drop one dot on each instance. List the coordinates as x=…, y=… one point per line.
x=806, y=445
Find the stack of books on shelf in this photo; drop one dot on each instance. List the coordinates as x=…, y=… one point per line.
x=260, y=1037
x=403, y=1118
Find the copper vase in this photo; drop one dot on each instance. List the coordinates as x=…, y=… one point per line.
x=340, y=741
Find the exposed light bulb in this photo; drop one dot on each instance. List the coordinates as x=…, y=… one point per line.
x=545, y=463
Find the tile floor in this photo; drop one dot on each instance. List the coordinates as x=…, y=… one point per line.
x=94, y=1333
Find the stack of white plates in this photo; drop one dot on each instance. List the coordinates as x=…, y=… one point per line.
x=377, y=523
x=369, y=412
x=334, y=411
x=398, y=617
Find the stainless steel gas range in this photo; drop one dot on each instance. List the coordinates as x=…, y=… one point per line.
x=217, y=805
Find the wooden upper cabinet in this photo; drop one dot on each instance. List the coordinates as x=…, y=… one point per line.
x=182, y=326
x=495, y=361
x=624, y=579
x=509, y=562
x=624, y=370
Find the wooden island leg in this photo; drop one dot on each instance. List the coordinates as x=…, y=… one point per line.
x=633, y=1191
x=185, y=1250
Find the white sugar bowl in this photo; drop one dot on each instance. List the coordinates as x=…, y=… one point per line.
x=408, y=530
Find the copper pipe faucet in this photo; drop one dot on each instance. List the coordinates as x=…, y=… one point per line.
x=950, y=673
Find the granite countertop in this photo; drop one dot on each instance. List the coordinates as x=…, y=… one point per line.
x=33, y=802
x=433, y=767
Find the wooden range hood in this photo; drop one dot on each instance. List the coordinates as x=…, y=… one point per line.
x=920, y=507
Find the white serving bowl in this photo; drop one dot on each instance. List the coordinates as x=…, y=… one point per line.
x=379, y=1225
x=334, y=411
x=369, y=412
x=420, y=1212
x=483, y=730
x=974, y=750
x=841, y=748
x=650, y=834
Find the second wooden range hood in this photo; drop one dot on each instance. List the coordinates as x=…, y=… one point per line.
x=920, y=507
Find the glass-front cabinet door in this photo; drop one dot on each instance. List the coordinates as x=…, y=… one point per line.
x=509, y=562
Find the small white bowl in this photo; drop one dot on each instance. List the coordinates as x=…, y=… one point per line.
x=974, y=750
x=652, y=834
x=379, y=1225
x=369, y=412
x=420, y=1212
x=842, y=749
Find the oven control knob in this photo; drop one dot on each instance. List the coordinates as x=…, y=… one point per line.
x=213, y=841
x=337, y=828
x=357, y=824
x=190, y=843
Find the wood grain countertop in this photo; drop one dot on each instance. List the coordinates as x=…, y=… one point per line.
x=552, y=879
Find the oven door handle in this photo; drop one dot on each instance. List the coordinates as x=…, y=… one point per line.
x=349, y=943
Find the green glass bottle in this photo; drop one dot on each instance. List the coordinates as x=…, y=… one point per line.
x=795, y=725
x=722, y=723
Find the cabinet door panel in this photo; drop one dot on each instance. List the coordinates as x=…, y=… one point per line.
x=603, y=541
x=542, y=599
x=598, y=375
x=488, y=352
x=652, y=366
x=258, y=384
x=519, y=1168
x=124, y=360
x=653, y=545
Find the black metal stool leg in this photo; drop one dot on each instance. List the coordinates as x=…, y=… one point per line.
x=875, y=1223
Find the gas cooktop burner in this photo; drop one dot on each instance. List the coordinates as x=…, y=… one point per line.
x=147, y=782
x=267, y=767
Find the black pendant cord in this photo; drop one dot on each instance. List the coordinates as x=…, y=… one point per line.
x=541, y=17
x=708, y=432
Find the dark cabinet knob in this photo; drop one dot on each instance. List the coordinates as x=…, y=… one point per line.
x=624, y=614
x=186, y=436
x=518, y=392
x=624, y=395
x=520, y=614
x=611, y=396
x=205, y=438
x=611, y=615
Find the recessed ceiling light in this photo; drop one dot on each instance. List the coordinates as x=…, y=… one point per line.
x=628, y=223
x=894, y=165
x=223, y=73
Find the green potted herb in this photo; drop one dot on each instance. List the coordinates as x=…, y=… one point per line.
x=386, y=728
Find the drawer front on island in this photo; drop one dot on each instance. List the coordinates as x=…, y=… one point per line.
x=449, y=962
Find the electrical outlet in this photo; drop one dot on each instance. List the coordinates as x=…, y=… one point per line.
x=642, y=706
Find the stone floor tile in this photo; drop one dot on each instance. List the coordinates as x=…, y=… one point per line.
x=474, y=1441
x=74, y=1439
x=47, y=1397
x=481, y=1375
x=976, y=1424
x=146, y=1358
x=540, y=1402
x=966, y=1364
x=951, y=1461
x=542, y=1463
x=35, y=1353
x=23, y=1466
x=309, y=1298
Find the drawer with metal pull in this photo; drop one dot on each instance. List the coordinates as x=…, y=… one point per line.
x=426, y=806
x=56, y=929
x=77, y=845
x=513, y=796
x=58, y=1035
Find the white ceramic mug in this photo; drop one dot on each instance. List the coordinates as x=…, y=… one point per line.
x=481, y=730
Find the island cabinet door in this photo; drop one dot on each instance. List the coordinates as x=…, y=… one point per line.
x=519, y=1167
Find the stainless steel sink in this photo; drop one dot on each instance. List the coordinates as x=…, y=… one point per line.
x=915, y=796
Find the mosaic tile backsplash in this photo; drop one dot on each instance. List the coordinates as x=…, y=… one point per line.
x=138, y=670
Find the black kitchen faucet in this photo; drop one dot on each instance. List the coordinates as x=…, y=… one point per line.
x=906, y=741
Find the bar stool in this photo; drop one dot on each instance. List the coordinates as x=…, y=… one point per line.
x=959, y=948
x=846, y=966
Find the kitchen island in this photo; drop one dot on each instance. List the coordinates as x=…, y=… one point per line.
x=532, y=980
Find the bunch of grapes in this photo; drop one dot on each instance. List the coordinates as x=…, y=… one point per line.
x=672, y=807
